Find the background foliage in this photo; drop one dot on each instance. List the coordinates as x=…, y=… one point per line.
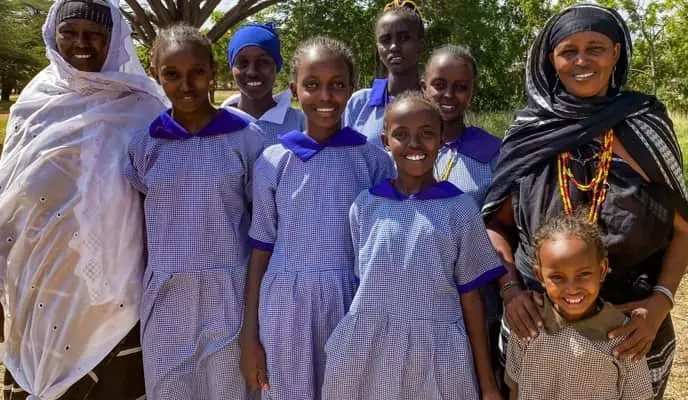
x=498, y=32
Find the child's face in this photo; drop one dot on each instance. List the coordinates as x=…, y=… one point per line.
x=254, y=72
x=323, y=86
x=449, y=81
x=414, y=138
x=572, y=275
x=184, y=71
x=398, y=43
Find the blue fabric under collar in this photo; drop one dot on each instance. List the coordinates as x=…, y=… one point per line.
x=305, y=147
x=439, y=190
x=378, y=94
x=476, y=144
x=165, y=127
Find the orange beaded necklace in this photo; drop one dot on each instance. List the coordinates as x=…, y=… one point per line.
x=598, y=183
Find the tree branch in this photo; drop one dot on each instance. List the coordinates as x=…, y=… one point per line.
x=163, y=16
x=172, y=8
x=141, y=21
x=207, y=10
x=232, y=17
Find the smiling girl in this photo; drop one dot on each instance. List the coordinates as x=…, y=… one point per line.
x=400, y=41
x=301, y=279
x=255, y=59
x=193, y=166
x=416, y=327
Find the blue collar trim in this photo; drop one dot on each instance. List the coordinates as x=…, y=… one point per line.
x=476, y=144
x=224, y=122
x=378, y=94
x=439, y=190
x=305, y=147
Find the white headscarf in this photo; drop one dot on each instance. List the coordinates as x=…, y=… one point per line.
x=71, y=227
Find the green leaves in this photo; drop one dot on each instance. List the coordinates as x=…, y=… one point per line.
x=21, y=44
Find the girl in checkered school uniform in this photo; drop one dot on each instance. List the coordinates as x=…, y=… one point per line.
x=416, y=328
x=255, y=59
x=193, y=165
x=400, y=42
x=572, y=357
x=469, y=154
x=301, y=274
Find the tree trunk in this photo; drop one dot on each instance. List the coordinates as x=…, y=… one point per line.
x=7, y=84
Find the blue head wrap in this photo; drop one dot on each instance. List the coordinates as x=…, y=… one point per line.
x=259, y=35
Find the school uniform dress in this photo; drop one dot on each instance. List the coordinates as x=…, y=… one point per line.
x=404, y=335
x=573, y=360
x=281, y=118
x=468, y=162
x=302, y=194
x=366, y=109
x=197, y=193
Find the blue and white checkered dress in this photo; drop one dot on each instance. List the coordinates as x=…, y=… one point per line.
x=197, y=192
x=301, y=202
x=404, y=335
x=366, y=109
x=474, y=156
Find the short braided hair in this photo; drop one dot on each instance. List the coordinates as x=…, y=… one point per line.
x=458, y=52
x=413, y=96
x=178, y=34
x=327, y=44
x=577, y=226
x=407, y=14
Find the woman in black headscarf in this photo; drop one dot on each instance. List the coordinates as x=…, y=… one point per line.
x=577, y=117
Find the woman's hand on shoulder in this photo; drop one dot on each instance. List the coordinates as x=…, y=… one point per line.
x=522, y=313
x=647, y=316
x=252, y=362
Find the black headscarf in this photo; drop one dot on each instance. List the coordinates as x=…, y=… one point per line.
x=555, y=121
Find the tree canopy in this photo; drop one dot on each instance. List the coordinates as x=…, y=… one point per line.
x=21, y=43
x=147, y=16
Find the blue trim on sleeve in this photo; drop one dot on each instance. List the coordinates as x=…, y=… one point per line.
x=257, y=244
x=486, y=277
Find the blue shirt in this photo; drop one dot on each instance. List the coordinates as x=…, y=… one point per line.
x=469, y=162
x=365, y=111
x=281, y=118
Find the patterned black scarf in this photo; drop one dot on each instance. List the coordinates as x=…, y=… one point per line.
x=555, y=121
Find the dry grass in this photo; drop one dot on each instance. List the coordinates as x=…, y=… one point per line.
x=678, y=383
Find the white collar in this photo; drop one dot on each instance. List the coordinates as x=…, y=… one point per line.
x=276, y=114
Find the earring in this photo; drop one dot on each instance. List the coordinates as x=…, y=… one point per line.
x=614, y=77
x=388, y=148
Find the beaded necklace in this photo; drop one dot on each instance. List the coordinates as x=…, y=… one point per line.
x=450, y=165
x=598, y=183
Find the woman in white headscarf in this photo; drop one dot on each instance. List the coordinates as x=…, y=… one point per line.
x=71, y=231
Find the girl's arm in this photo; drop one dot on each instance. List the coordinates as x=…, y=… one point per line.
x=519, y=308
x=513, y=395
x=476, y=325
x=252, y=363
x=261, y=238
x=647, y=315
